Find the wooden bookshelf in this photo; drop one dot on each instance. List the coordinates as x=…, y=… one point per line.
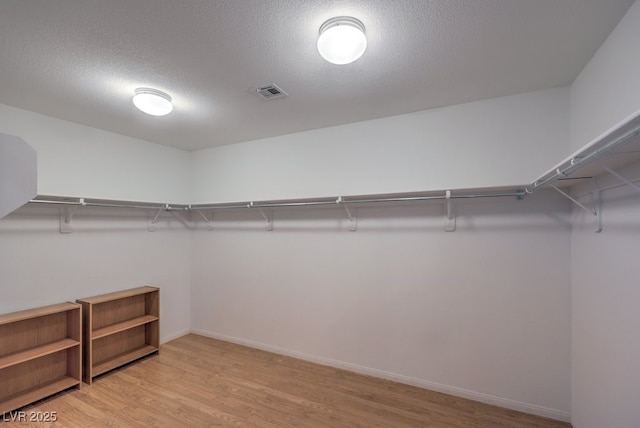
x=119, y=328
x=40, y=354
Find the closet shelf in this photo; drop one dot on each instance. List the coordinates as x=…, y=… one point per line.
x=18, y=163
x=617, y=147
x=37, y=352
x=492, y=192
x=122, y=326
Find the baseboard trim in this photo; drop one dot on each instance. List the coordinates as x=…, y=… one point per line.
x=433, y=386
x=165, y=339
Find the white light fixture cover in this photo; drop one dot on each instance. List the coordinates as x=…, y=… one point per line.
x=342, y=40
x=152, y=101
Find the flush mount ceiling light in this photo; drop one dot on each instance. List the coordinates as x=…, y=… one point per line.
x=342, y=40
x=152, y=101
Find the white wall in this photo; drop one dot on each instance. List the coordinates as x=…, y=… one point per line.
x=482, y=312
x=503, y=141
x=108, y=251
x=606, y=292
x=76, y=160
x=470, y=313
x=605, y=380
x=608, y=89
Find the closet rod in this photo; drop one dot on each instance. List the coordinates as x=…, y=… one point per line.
x=83, y=203
x=43, y=201
x=518, y=194
x=343, y=201
x=165, y=207
x=292, y=204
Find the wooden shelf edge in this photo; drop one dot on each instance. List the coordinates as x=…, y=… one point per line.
x=118, y=295
x=121, y=359
x=38, y=312
x=122, y=326
x=37, y=352
x=35, y=394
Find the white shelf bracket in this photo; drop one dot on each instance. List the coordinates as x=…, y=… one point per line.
x=180, y=218
x=267, y=218
x=66, y=216
x=449, y=216
x=206, y=219
x=352, y=220
x=595, y=211
x=153, y=221
x=622, y=178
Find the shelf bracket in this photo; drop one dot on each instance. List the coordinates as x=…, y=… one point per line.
x=622, y=178
x=595, y=211
x=180, y=218
x=449, y=216
x=66, y=216
x=206, y=219
x=153, y=221
x=352, y=220
x=267, y=218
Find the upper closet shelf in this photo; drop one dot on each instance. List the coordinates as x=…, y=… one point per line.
x=17, y=173
x=617, y=147
x=264, y=207
x=388, y=198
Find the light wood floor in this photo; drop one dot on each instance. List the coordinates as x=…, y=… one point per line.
x=201, y=382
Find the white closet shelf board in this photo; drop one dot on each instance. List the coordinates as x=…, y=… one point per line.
x=18, y=173
x=614, y=149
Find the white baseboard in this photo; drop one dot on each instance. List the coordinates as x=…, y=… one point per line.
x=451, y=390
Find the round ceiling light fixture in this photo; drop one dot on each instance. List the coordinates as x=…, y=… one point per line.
x=342, y=40
x=152, y=101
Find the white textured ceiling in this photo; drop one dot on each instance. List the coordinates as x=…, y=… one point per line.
x=81, y=60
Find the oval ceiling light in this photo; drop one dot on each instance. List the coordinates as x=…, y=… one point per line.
x=342, y=40
x=152, y=101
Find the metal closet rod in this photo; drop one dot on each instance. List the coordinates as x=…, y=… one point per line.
x=291, y=203
x=346, y=201
x=81, y=202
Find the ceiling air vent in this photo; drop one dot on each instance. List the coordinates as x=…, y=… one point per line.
x=270, y=92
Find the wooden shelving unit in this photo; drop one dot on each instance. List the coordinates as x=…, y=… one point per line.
x=40, y=354
x=119, y=328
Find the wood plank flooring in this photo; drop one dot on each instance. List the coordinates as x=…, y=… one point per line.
x=201, y=382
